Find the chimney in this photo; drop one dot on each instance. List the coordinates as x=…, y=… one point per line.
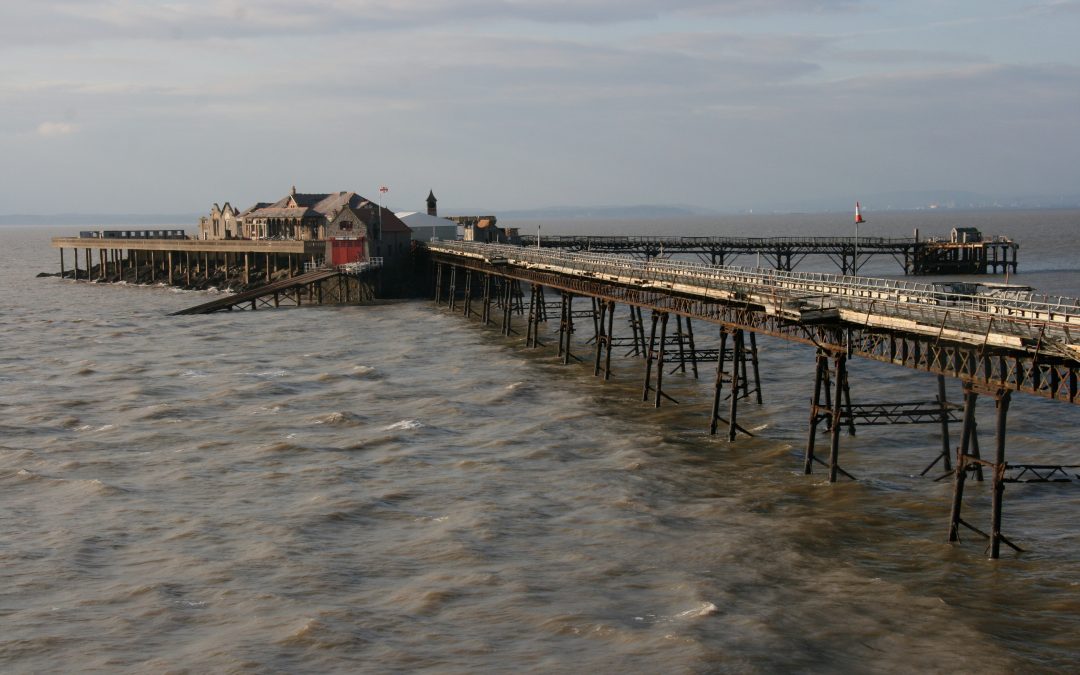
x=293, y=190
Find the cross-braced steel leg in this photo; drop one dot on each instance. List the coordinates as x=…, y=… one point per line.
x=467, y=300
x=566, y=327
x=961, y=470
x=718, y=384
x=453, y=288
x=997, y=496
x=603, y=336
x=536, y=307
x=820, y=370
x=943, y=407
x=485, y=316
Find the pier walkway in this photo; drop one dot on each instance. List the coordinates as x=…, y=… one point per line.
x=915, y=256
x=320, y=286
x=994, y=345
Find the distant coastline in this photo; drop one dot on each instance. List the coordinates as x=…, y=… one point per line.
x=624, y=212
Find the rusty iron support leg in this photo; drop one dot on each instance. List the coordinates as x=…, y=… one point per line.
x=738, y=363
x=566, y=327
x=532, y=324
x=452, y=298
x=507, y=308
x=960, y=473
x=847, y=403
x=744, y=381
x=718, y=383
x=815, y=410
x=644, y=349
x=649, y=358
x=610, y=326
x=943, y=408
x=602, y=340
x=755, y=366
x=682, y=347
x=997, y=496
x=840, y=368
x=467, y=300
x=693, y=348
x=486, y=315
x=660, y=361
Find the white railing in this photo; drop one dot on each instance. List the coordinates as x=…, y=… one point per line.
x=914, y=300
x=363, y=266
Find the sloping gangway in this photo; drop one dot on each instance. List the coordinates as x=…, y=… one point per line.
x=915, y=256
x=994, y=345
x=319, y=286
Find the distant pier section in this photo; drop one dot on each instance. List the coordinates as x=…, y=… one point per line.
x=966, y=251
x=167, y=256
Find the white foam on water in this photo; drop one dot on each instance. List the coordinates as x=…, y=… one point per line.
x=404, y=424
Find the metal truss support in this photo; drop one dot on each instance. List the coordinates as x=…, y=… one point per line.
x=603, y=338
x=467, y=300
x=566, y=327
x=637, y=327
x=655, y=354
x=508, y=304
x=831, y=412
x=536, y=311
x=966, y=462
x=485, y=315
x=452, y=299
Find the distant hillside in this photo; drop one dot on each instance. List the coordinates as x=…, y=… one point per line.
x=132, y=220
x=917, y=200
x=613, y=212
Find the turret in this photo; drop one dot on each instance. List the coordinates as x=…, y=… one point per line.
x=431, y=210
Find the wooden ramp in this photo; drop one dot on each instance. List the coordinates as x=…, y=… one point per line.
x=269, y=295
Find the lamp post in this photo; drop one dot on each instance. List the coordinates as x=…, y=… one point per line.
x=382, y=190
x=858, y=219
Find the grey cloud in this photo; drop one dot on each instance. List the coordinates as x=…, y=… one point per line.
x=49, y=21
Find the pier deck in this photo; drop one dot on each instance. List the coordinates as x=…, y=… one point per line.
x=994, y=345
x=915, y=256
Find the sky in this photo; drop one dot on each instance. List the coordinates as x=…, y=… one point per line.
x=124, y=106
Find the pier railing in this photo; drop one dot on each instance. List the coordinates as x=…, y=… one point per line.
x=1035, y=317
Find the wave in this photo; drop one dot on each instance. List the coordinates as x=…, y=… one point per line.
x=340, y=419
x=404, y=424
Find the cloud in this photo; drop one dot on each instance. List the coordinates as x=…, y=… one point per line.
x=51, y=129
x=51, y=21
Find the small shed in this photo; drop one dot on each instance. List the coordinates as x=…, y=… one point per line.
x=966, y=235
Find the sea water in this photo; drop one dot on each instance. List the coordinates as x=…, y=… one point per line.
x=394, y=488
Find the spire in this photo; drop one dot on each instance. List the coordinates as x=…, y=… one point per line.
x=431, y=203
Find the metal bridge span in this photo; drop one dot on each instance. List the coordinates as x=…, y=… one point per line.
x=915, y=256
x=994, y=346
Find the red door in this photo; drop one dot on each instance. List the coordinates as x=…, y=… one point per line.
x=343, y=251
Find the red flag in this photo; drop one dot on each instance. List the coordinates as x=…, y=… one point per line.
x=858, y=217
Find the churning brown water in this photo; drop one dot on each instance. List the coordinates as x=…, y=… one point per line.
x=394, y=488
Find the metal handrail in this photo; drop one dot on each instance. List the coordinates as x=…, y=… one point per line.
x=737, y=241
x=920, y=301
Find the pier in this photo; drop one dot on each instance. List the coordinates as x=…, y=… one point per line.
x=176, y=260
x=958, y=255
x=995, y=346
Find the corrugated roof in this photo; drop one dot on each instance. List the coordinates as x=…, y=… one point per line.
x=284, y=212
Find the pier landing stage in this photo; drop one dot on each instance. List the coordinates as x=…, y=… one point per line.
x=979, y=255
